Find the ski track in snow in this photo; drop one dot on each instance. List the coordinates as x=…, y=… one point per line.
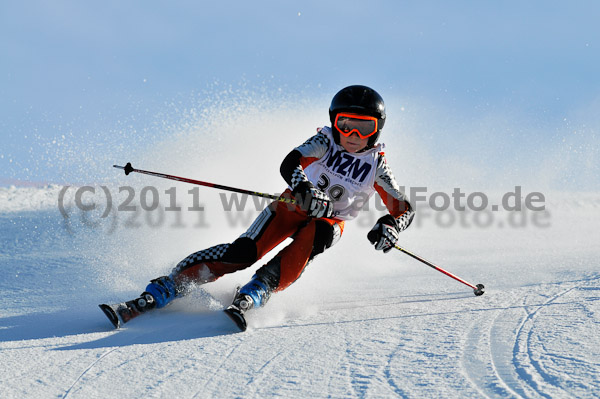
x=517, y=363
x=108, y=352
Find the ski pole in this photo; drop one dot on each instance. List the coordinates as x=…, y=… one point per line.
x=128, y=169
x=478, y=289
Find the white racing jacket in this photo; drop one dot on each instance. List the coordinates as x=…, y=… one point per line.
x=349, y=179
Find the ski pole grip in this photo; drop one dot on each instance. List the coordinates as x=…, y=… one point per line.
x=128, y=168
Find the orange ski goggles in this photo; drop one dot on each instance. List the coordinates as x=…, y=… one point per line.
x=364, y=126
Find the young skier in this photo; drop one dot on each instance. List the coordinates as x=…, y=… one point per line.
x=331, y=176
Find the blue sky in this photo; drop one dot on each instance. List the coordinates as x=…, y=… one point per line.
x=90, y=69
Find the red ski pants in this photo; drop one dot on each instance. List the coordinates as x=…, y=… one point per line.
x=275, y=223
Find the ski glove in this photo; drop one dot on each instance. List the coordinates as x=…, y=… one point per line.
x=384, y=235
x=315, y=202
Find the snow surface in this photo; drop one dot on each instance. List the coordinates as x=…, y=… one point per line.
x=357, y=324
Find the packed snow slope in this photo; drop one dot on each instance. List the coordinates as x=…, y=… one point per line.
x=358, y=323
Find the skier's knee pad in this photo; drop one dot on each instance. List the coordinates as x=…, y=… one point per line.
x=242, y=250
x=325, y=237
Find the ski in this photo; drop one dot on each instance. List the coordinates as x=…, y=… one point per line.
x=120, y=313
x=237, y=317
x=234, y=312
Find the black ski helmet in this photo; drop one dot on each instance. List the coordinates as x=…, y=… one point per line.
x=360, y=100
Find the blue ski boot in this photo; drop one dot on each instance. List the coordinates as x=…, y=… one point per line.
x=163, y=289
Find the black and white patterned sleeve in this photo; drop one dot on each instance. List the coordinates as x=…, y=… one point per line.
x=394, y=199
x=314, y=147
x=292, y=167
